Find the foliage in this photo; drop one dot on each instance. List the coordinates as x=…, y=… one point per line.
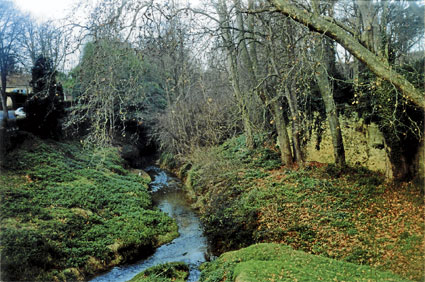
x=228, y=217
x=44, y=108
x=115, y=86
x=174, y=271
x=65, y=207
x=275, y=262
x=348, y=214
x=400, y=120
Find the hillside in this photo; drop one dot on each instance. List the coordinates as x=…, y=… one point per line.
x=245, y=197
x=69, y=213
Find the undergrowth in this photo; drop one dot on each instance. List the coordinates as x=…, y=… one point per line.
x=245, y=197
x=68, y=212
x=167, y=272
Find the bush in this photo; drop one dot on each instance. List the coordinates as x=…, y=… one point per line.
x=196, y=121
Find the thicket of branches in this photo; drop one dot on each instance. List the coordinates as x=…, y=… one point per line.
x=189, y=77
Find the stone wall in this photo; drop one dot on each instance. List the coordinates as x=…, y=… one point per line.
x=364, y=145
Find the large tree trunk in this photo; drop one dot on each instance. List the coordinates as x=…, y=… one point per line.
x=331, y=113
x=325, y=60
x=290, y=93
x=341, y=34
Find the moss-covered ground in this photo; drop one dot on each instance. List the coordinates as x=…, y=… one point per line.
x=68, y=213
x=352, y=214
x=275, y=262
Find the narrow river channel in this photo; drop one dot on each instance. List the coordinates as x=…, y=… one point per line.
x=190, y=247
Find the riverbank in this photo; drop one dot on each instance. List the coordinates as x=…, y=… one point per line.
x=188, y=249
x=69, y=212
x=246, y=197
x=279, y=263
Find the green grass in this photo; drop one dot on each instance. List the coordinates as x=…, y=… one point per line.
x=275, y=262
x=174, y=271
x=69, y=212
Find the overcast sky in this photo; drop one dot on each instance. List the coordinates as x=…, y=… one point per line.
x=58, y=9
x=46, y=9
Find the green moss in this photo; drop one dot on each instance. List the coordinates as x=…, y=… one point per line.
x=65, y=207
x=274, y=262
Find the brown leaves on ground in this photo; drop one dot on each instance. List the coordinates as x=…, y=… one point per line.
x=383, y=229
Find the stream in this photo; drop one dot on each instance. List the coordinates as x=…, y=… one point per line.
x=190, y=247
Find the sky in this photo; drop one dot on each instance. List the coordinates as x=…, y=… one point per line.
x=52, y=10
x=46, y=9
x=56, y=9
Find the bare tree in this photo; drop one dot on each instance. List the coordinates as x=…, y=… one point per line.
x=10, y=30
x=44, y=39
x=344, y=36
x=232, y=54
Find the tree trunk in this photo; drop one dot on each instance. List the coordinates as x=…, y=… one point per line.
x=253, y=45
x=367, y=11
x=250, y=61
x=248, y=64
x=282, y=133
x=296, y=126
x=341, y=34
x=331, y=114
x=4, y=99
x=234, y=75
x=246, y=59
x=325, y=59
x=292, y=102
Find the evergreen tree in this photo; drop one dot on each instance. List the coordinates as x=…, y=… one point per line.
x=44, y=108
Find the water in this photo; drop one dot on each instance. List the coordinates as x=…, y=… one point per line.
x=190, y=247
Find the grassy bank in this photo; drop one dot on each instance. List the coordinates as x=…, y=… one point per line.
x=245, y=197
x=274, y=262
x=68, y=213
